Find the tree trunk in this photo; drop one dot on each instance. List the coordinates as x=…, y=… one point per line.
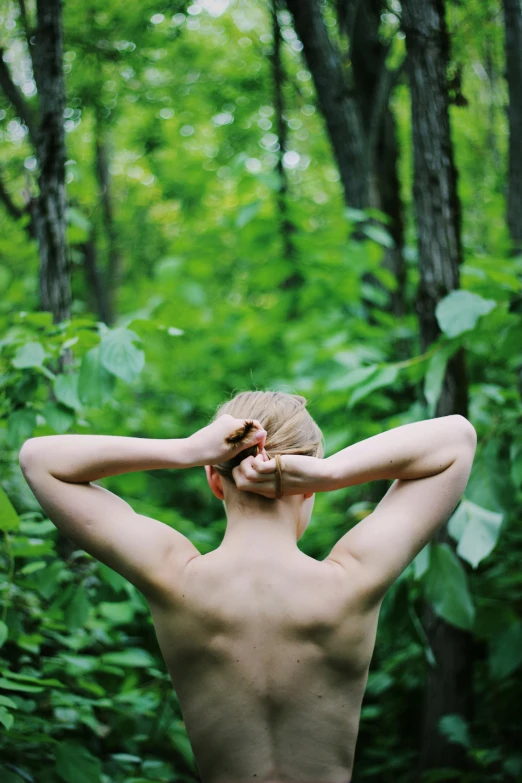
x=337, y=101
x=113, y=251
x=287, y=229
x=513, y=28
x=99, y=300
x=449, y=684
x=373, y=84
x=50, y=211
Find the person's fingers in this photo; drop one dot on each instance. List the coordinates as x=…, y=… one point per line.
x=265, y=467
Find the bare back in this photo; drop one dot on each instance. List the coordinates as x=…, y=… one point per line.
x=269, y=659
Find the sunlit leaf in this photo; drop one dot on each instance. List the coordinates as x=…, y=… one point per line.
x=120, y=356
x=476, y=529
x=460, y=310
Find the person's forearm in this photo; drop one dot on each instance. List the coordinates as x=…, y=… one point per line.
x=412, y=451
x=83, y=458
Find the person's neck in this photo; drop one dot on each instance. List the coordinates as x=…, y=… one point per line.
x=262, y=528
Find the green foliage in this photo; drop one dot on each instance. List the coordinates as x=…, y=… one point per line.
x=184, y=105
x=447, y=588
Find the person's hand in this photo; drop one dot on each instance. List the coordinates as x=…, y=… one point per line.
x=300, y=475
x=223, y=439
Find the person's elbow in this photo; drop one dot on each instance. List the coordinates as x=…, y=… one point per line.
x=467, y=432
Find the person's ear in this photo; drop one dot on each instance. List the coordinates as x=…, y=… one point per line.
x=308, y=495
x=215, y=482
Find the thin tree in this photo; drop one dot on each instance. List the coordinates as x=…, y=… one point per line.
x=46, y=133
x=513, y=32
x=449, y=683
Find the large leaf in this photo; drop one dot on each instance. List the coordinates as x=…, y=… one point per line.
x=447, y=588
x=96, y=384
x=8, y=516
x=476, y=529
x=384, y=377
x=120, y=356
x=20, y=426
x=459, y=311
x=58, y=416
x=506, y=652
x=74, y=763
x=29, y=355
x=66, y=390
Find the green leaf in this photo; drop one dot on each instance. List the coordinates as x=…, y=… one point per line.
x=455, y=729
x=77, y=611
x=459, y=311
x=447, y=588
x=96, y=385
x=113, y=578
x=505, y=654
x=79, y=664
x=355, y=215
x=248, y=213
x=476, y=529
x=384, y=377
x=131, y=657
x=8, y=517
x=434, y=378
x=6, y=702
x=66, y=390
x=74, y=763
x=58, y=417
x=20, y=426
x=6, y=718
x=379, y=235
x=119, y=356
x=4, y=633
x=119, y=613
x=29, y=355
x=10, y=685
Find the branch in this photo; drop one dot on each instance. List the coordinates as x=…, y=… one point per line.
x=14, y=95
x=27, y=29
x=11, y=207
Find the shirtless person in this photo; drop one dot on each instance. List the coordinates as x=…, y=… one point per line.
x=267, y=648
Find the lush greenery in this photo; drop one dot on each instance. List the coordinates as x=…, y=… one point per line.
x=183, y=96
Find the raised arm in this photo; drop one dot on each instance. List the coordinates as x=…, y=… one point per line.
x=431, y=462
x=59, y=469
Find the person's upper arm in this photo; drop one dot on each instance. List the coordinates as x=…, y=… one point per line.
x=407, y=517
x=145, y=551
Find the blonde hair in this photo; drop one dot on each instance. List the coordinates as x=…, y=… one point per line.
x=290, y=428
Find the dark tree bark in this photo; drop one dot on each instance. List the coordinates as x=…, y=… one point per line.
x=95, y=284
x=373, y=84
x=113, y=252
x=337, y=101
x=513, y=29
x=50, y=212
x=286, y=228
x=449, y=684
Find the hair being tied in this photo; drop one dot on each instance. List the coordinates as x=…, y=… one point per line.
x=290, y=428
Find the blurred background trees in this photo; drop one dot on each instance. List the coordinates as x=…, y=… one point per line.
x=318, y=197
